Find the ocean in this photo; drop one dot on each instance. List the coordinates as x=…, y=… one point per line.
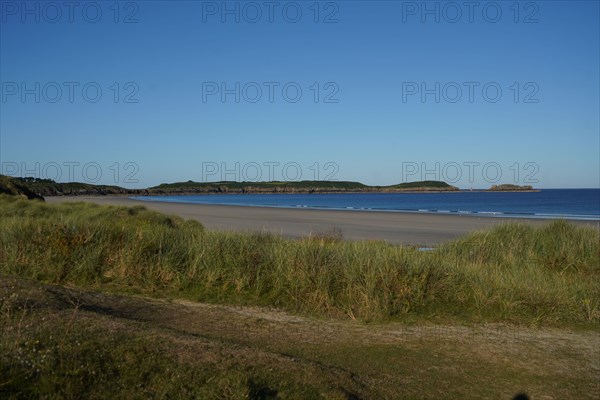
x=578, y=204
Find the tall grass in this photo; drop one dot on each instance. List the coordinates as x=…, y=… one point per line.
x=515, y=272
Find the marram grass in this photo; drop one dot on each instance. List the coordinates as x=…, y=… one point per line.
x=513, y=273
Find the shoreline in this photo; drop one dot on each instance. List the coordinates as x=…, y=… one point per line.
x=482, y=214
x=394, y=227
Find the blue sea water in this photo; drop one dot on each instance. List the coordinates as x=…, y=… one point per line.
x=583, y=204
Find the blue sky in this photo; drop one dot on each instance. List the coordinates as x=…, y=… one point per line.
x=378, y=67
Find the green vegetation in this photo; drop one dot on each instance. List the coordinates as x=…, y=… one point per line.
x=516, y=272
x=64, y=343
x=47, y=187
x=506, y=187
x=266, y=187
x=425, y=185
x=102, y=340
x=14, y=187
x=301, y=187
x=59, y=344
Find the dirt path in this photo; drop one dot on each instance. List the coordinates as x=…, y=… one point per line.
x=352, y=359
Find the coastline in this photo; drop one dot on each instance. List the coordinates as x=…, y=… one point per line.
x=232, y=192
x=394, y=227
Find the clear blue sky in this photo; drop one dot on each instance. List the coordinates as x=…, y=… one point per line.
x=375, y=57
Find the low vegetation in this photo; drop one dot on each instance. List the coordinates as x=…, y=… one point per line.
x=63, y=344
x=59, y=342
x=506, y=187
x=15, y=187
x=425, y=185
x=295, y=187
x=48, y=187
x=515, y=273
x=281, y=185
x=93, y=305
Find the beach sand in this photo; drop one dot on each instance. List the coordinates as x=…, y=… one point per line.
x=394, y=227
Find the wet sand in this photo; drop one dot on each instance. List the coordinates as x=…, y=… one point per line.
x=395, y=227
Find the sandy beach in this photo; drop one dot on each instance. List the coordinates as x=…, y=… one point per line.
x=420, y=229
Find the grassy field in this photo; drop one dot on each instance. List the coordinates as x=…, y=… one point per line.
x=64, y=343
x=514, y=273
x=341, y=311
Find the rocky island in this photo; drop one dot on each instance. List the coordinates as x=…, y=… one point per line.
x=512, y=188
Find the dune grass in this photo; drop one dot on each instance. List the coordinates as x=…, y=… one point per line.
x=513, y=273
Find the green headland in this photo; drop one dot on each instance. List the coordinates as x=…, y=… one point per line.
x=47, y=187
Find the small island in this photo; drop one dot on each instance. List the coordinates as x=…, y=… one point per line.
x=506, y=187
